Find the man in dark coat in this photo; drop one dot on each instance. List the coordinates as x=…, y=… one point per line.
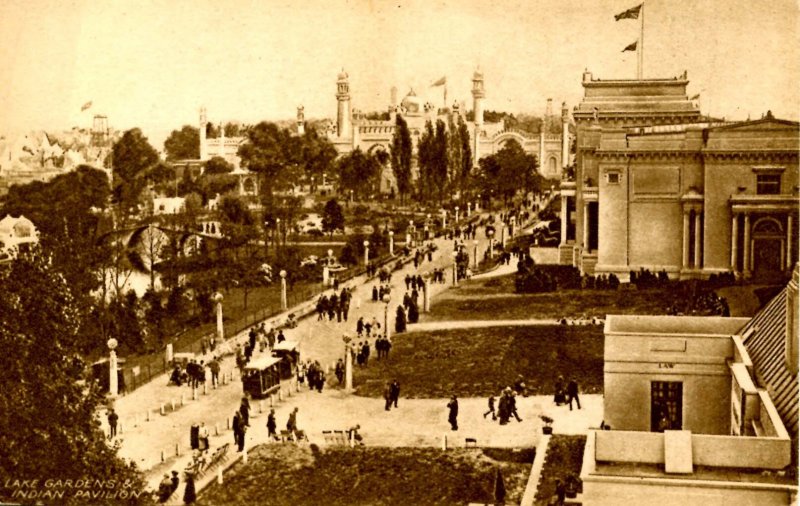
x=238, y=427
x=572, y=393
x=271, y=425
x=112, y=423
x=394, y=392
x=245, y=410
x=452, y=416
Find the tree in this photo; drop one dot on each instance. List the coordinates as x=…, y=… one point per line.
x=218, y=165
x=268, y=152
x=401, y=157
x=183, y=144
x=440, y=162
x=132, y=155
x=466, y=152
x=40, y=334
x=426, y=160
x=333, y=217
x=318, y=156
x=358, y=173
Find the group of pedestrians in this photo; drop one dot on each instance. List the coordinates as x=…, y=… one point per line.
x=391, y=394
x=314, y=373
x=506, y=407
x=366, y=327
x=335, y=306
x=566, y=395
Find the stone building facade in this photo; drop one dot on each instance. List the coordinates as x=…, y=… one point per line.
x=657, y=187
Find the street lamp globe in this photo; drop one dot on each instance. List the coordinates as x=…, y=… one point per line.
x=112, y=344
x=386, y=298
x=217, y=297
x=330, y=252
x=283, y=273
x=475, y=243
x=366, y=244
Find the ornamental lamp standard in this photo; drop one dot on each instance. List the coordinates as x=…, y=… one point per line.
x=455, y=267
x=386, y=299
x=217, y=298
x=348, y=363
x=456, y=214
x=391, y=243
x=284, y=305
x=278, y=229
x=366, y=253
x=113, y=383
x=475, y=253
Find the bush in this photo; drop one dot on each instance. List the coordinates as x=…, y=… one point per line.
x=545, y=278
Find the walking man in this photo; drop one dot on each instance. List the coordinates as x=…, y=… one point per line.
x=491, y=408
x=452, y=416
x=572, y=393
x=271, y=425
x=112, y=423
x=394, y=392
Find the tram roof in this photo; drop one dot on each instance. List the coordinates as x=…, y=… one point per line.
x=262, y=363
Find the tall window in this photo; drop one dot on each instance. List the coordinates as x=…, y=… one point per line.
x=666, y=405
x=768, y=184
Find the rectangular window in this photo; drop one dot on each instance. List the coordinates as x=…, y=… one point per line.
x=613, y=177
x=666, y=405
x=768, y=184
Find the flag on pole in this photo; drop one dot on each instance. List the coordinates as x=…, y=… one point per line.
x=440, y=82
x=630, y=47
x=86, y=105
x=696, y=97
x=632, y=13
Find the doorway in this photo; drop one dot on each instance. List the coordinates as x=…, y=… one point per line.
x=666, y=406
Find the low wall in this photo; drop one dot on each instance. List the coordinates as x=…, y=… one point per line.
x=544, y=255
x=629, y=446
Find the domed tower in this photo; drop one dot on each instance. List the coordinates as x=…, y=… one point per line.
x=343, y=123
x=301, y=120
x=203, y=127
x=478, y=94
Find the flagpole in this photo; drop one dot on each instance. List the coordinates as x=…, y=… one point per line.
x=641, y=48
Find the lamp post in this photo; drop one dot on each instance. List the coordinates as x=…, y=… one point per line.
x=410, y=234
x=391, y=243
x=456, y=214
x=444, y=218
x=278, y=231
x=366, y=253
x=113, y=385
x=284, y=305
x=469, y=209
x=455, y=267
x=217, y=297
x=348, y=364
x=386, y=299
x=475, y=252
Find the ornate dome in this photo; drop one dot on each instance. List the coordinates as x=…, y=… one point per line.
x=343, y=76
x=412, y=104
x=477, y=75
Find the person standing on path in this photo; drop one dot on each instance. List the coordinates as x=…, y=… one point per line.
x=214, y=367
x=238, y=431
x=572, y=393
x=271, y=425
x=387, y=396
x=452, y=416
x=245, y=410
x=291, y=423
x=491, y=408
x=112, y=423
x=394, y=392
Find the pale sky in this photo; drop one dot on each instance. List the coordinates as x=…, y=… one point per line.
x=152, y=64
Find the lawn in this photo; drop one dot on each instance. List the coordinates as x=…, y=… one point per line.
x=479, y=362
x=309, y=475
x=494, y=299
x=564, y=458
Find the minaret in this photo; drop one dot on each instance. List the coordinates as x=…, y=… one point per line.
x=343, y=128
x=548, y=115
x=301, y=120
x=564, y=135
x=478, y=95
x=203, y=127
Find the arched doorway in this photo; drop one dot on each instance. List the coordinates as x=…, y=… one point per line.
x=552, y=166
x=768, y=248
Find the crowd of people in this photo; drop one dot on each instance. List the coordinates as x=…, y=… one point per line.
x=336, y=306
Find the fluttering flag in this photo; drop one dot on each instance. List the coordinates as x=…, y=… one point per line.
x=696, y=97
x=440, y=82
x=630, y=47
x=86, y=105
x=632, y=13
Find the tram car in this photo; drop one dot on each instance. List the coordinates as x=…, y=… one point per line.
x=290, y=357
x=262, y=376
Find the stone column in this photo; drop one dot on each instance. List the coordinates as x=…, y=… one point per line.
x=348, y=369
x=734, y=242
x=444, y=219
x=746, y=268
x=698, y=240
x=391, y=243
x=685, y=262
x=586, y=226
x=220, y=327
x=326, y=276
x=564, y=213
x=113, y=385
x=789, y=241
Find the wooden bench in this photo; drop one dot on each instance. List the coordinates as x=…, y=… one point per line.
x=470, y=442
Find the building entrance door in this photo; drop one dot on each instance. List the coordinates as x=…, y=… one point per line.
x=666, y=405
x=767, y=258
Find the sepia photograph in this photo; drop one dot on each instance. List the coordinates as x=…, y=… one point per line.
x=399, y=252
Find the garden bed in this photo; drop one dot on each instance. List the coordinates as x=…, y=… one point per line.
x=478, y=362
x=564, y=459
x=301, y=474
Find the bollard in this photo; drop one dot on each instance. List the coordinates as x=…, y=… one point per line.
x=177, y=449
x=119, y=428
x=162, y=410
x=173, y=404
x=280, y=395
x=216, y=429
x=194, y=394
x=352, y=440
x=297, y=385
x=444, y=442
x=272, y=400
x=162, y=456
x=219, y=475
x=205, y=389
x=227, y=424
x=147, y=415
x=182, y=401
